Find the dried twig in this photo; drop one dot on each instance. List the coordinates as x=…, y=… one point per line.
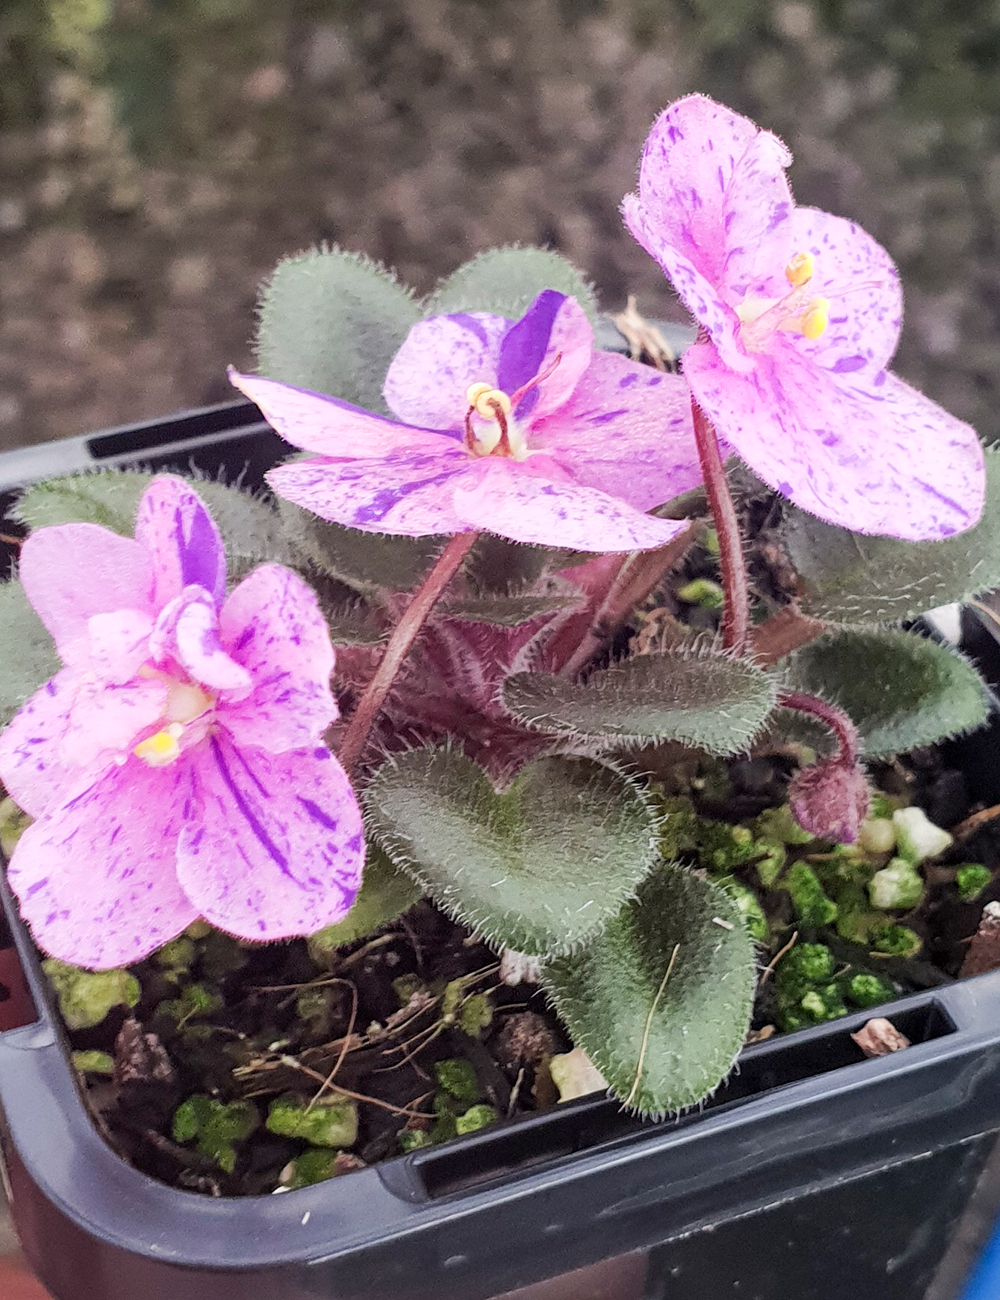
x=649, y=1024
x=769, y=968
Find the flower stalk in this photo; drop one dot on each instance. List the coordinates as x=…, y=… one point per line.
x=403, y=635
x=736, y=614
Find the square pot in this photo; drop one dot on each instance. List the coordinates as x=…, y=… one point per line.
x=812, y=1173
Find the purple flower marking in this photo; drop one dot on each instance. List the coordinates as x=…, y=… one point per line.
x=801, y=312
x=174, y=765
x=520, y=429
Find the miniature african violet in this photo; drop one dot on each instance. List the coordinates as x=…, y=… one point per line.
x=486, y=525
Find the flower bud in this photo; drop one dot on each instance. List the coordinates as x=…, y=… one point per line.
x=830, y=799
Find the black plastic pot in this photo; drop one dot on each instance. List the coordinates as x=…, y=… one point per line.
x=813, y=1174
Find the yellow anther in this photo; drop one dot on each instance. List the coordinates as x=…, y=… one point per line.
x=484, y=398
x=160, y=749
x=799, y=270
x=815, y=319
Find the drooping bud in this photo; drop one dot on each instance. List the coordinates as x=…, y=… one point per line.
x=830, y=799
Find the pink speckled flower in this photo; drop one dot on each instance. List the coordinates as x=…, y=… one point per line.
x=800, y=313
x=174, y=764
x=519, y=429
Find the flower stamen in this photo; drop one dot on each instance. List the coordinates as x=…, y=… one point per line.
x=800, y=269
x=162, y=748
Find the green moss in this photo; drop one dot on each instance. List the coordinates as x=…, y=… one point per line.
x=329, y=1122
x=811, y=904
x=971, y=879
x=702, y=592
x=216, y=1127
x=476, y=1117
x=457, y=1078
x=412, y=1139
x=771, y=863
x=865, y=990
x=86, y=997
x=724, y=847
x=896, y=940
x=313, y=1166
x=93, y=1063
x=780, y=824
x=749, y=908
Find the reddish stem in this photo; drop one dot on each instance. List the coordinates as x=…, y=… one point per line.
x=637, y=577
x=736, y=615
x=402, y=638
x=844, y=730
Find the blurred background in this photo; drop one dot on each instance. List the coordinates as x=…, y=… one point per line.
x=158, y=156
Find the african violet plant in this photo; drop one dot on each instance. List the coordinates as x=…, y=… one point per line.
x=486, y=506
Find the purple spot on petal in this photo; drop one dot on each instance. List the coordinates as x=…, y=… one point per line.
x=629, y=381
x=525, y=344
x=252, y=820
x=317, y=813
x=845, y=365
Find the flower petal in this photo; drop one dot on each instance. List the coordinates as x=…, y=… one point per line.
x=554, y=335
x=882, y=460
x=858, y=277
x=440, y=359
x=279, y=849
x=272, y=625
x=70, y=572
x=181, y=537
x=32, y=767
x=527, y=502
x=327, y=425
x=410, y=495
x=96, y=879
x=713, y=209
x=626, y=430
x=119, y=643
x=714, y=185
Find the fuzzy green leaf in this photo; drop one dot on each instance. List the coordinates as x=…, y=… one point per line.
x=367, y=562
x=332, y=321
x=26, y=651
x=539, y=867
x=849, y=578
x=901, y=690
x=698, y=697
x=386, y=892
x=508, y=611
x=507, y=280
x=661, y=1045
x=251, y=529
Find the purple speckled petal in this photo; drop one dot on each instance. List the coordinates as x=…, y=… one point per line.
x=409, y=495
x=272, y=625
x=32, y=767
x=627, y=431
x=187, y=631
x=95, y=879
x=108, y=720
x=534, y=502
x=70, y=572
x=553, y=335
x=714, y=184
x=440, y=359
x=700, y=296
x=882, y=460
x=279, y=849
x=119, y=643
x=327, y=425
x=858, y=277
x=182, y=539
